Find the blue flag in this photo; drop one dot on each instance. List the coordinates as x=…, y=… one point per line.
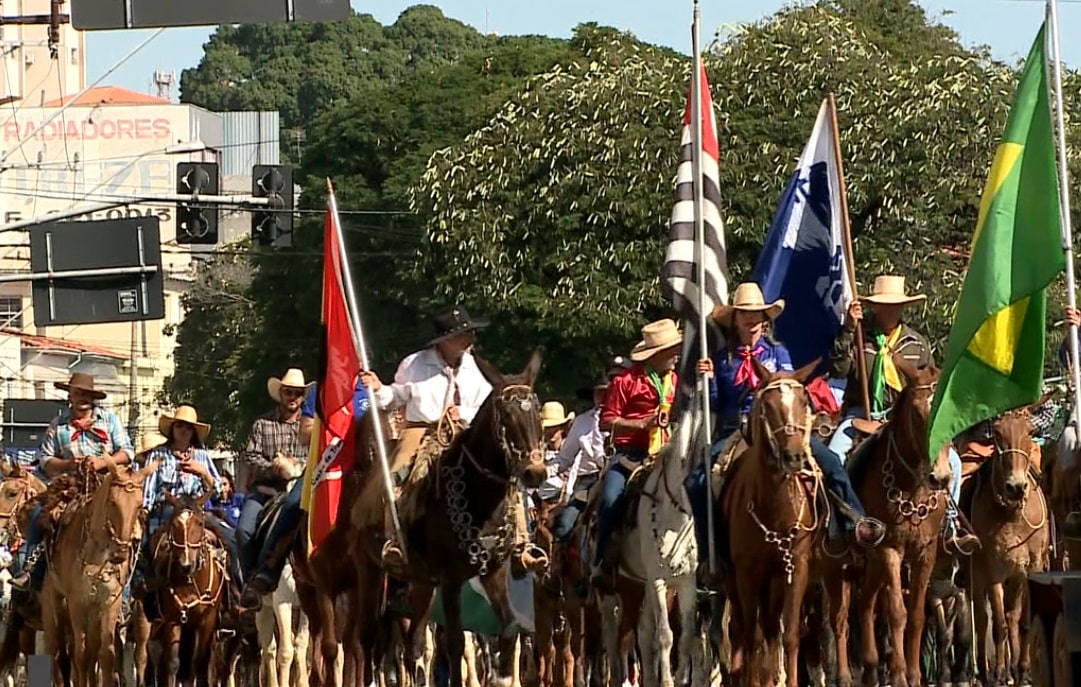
x=803, y=259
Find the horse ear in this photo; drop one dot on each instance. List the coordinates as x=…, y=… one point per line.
x=804, y=373
x=111, y=464
x=200, y=503
x=171, y=499
x=907, y=369
x=761, y=370
x=6, y=469
x=532, y=368
x=489, y=372
x=1043, y=399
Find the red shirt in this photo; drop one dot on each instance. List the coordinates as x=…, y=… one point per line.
x=632, y=396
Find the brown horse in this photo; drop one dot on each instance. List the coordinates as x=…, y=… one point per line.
x=194, y=579
x=1007, y=506
x=469, y=528
x=18, y=490
x=92, y=559
x=775, y=515
x=900, y=485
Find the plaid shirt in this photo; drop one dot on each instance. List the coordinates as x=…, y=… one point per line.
x=269, y=436
x=105, y=436
x=168, y=478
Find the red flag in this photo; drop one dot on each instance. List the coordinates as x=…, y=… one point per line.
x=339, y=367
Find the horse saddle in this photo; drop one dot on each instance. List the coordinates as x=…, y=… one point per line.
x=268, y=516
x=633, y=491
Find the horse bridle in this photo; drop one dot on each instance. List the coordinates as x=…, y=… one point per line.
x=514, y=457
x=788, y=428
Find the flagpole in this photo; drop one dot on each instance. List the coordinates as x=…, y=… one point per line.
x=861, y=360
x=362, y=354
x=1064, y=197
x=700, y=263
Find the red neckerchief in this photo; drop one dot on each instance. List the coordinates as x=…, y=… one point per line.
x=87, y=426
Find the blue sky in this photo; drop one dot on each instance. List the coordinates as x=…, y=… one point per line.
x=1007, y=26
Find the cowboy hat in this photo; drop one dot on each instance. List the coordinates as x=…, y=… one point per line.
x=890, y=290
x=656, y=337
x=82, y=382
x=292, y=379
x=553, y=414
x=748, y=297
x=452, y=321
x=149, y=441
x=183, y=414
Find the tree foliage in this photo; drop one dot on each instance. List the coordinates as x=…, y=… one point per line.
x=556, y=210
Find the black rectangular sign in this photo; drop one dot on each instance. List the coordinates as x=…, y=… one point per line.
x=25, y=421
x=116, y=250
x=96, y=15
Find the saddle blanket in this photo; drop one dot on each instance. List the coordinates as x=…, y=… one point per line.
x=477, y=613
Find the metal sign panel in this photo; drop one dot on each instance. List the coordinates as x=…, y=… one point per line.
x=96, y=15
x=93, y=272
x=25, y=421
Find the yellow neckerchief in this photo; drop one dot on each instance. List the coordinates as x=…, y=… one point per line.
x=658, y=436
x=884, y=373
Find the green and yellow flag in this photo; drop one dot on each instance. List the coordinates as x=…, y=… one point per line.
x=995, y=355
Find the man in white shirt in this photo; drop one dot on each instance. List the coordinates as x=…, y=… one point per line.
x=441, y=383
x=582, y=456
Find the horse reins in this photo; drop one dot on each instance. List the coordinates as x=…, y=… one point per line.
x=906, y=507
x=202, y=549
x=1002, y=500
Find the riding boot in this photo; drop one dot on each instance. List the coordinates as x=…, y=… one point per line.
x=526, y=557
x=392, y=558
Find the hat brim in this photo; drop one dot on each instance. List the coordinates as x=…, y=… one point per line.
x=274, y=387
x=474, y=325
x=894, y=299
x=640, y=353
x=546, y=424
x=94, y=393
x=165, y=423
x=723, y=313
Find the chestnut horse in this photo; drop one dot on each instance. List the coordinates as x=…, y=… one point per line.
x=91, y=561
x=900, y=485
x=469, y=526
x=194, y=581
x=775, y=514
x=1006, y=505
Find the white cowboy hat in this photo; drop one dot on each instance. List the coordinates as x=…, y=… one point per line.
x=553, y=414
x=149, y=441
x=292, y=379
x=183, y=414
x=748, y=297
x=656, y=337
x=890, y=290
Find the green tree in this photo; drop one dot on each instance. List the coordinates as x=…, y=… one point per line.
x=555, y=212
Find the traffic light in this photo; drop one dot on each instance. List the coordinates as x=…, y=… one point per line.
x=272, y=225
x=196, y=222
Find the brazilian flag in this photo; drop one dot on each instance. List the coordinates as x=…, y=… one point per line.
x=995, y=355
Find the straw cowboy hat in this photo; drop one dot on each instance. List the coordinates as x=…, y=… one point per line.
x=149, y=441
x=183, y=414
x=292, y=379
x=82, y=382
x=452, y=321
x=553, y=414
x=890, y=290
x=656, y=337
x=748, y=297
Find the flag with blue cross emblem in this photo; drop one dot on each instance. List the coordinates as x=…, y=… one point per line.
x=803, y=259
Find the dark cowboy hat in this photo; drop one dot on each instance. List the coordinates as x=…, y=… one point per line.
x=452, y=321
x=83, y=382
x=586, y=393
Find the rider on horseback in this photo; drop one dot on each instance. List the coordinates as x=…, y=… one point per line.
x=276, y=451
x=888, y=336
x=80, y=436
x=635, y=410
x=441, y=387
x=184, y=469
x=585, y=445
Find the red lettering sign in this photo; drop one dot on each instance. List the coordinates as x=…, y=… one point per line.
x=111, y=129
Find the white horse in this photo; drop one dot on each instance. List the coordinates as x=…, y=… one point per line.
x=280, y=648
x=660, y=551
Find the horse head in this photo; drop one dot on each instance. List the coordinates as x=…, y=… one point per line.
x=186, y=532
x=1012, y=436
x=118, y=507
x=911, y=418
x=513, y=412
x=782, y=415
x=17, y=489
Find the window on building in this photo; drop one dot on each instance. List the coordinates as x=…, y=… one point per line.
x=11, y=312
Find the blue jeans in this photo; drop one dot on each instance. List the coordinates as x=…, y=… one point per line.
x=612, y=501
x=568, y=517
x=286, y=524
x=246, y=524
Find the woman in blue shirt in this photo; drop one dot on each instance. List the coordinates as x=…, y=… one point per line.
x=746, y=324
x=228, y=503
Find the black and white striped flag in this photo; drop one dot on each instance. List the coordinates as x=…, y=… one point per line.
x=680, y=267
